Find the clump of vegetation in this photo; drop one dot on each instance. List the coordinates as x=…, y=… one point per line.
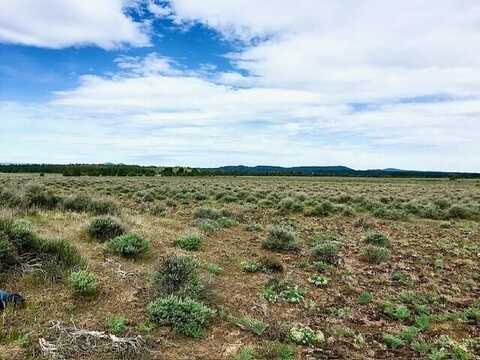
x=304, y=335
x=318, y=280
x=207, y=213
x=178, y=275
x=375, y=254
x=129, y=246
x=267, y=264
x=184, y=315
x=289, y=204
x=83, y=203
x=281, y=239
x=117, y=325
x=256, y=326
x=38, y=196
x=105, y=228
x=83, y=283
x=189, y=242
x=364, y=298
x=377, y=239
x=396, y=312
x=327, y=252
x=276, y=289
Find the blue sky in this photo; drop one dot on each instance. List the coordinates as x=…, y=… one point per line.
x=213, y=82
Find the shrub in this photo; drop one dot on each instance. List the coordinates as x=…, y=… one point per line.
x=207, y=213
x=184, y=315
x=178, y=275
x=275, y=289
x=129, y=246
x=38, y=196
x=377, y=239
x=327, y=252
x=290, y=204
x=8, y=252
x=77, y=203
x=325, y=208
x=458, y=212
x=278, y=351
x=105, y=228
x=375, y=254
x=102, y=207
x=64, y=253
x=117, y=325
x=280, y=239
x=246, y=353
x=83, y=283
x=189, y=242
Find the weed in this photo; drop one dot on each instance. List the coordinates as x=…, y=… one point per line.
x=129, y=246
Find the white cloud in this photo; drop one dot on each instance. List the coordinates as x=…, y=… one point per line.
x=63, y=23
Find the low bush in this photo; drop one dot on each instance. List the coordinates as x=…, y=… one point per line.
x=105, y=228
x=280, y=239
x=129, y=246
x=178, y=275
x=38, y=196
x=327, y=252
x=290, y=204
x=83, y=283
x=375, y=254
x=304, y=335
x=207, y=213
x=189, y=242
x=117, y=325
x=8, y=252
x=377, y=239
x=184, y=315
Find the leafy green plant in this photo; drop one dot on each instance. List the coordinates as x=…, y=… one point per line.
x=396, y=312
x=83, y=283
x=318, y=280
x=364, y=298
x=256, y=326
x=393, y=341
x=117, y=325
x=304, y=335
x=184, y=315
x=129, y=246
x=189, y=242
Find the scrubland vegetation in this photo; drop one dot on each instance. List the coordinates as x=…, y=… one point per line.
x=240, y=268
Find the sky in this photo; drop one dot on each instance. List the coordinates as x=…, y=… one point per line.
x=366, y=84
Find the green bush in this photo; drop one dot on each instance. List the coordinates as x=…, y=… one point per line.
x=189, y=242
x=290, y=204
x=377, y=239
x=129, y=246
x=117, y=325
x=105, y=228
x=375, y=254
x=77, y=203
x=459, y=212
x=65, y=253
x=393, y=341
x=83, y=283
x=178, y=275
x=325, y=208
x=280, y=239
x=184, y=315
x=102, y=207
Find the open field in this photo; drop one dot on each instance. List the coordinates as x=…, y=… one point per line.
x=283, y=267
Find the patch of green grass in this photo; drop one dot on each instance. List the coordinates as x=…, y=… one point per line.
x=256, y=326
x=365, y=298
x=375, y=254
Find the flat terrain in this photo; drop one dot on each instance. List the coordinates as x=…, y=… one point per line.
x=296, y=268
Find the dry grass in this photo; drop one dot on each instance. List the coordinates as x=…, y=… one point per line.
x=438, y=253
